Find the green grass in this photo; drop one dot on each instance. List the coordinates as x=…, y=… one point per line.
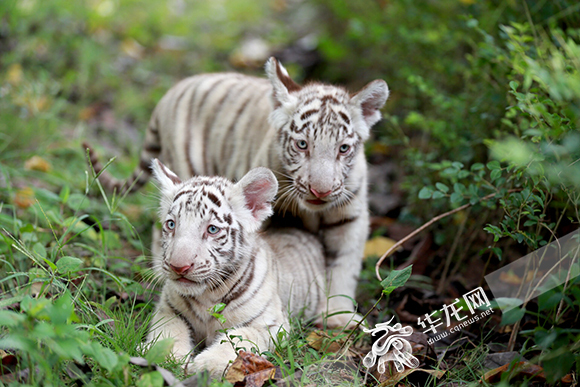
x=75, y=287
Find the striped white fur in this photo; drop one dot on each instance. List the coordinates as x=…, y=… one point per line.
x=213, y=253
x=311, y=136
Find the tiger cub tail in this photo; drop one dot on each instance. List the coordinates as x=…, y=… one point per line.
x=151, y=150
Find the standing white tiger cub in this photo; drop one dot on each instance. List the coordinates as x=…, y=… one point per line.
x=311, y=136
x=212, y=253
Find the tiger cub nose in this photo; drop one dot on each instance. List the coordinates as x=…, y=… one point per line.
x=320, y=195
x=180, y=270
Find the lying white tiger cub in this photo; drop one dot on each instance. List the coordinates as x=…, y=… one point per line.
x=213, y=253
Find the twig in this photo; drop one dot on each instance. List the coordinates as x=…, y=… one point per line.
x=360, y=322
x=451, y=252
x=429, y=223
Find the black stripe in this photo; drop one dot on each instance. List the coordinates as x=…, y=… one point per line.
x=241, y=284
x=256, y=290
x=230, y=129
x=341, y=222
x=186, y=321
x=208, y=125
x=178, y=100
x=308, y=113
x=261, y=312
x=180, y=194
x=152, y=147
x=329, y=98
x=215, y=200
x=206, y=128
x=192, y=308
x=188, y=129
x=344, y=117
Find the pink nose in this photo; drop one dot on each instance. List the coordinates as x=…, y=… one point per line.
x=180, y=270
x=320, y=195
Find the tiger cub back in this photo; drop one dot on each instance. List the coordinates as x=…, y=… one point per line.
x=212, y=253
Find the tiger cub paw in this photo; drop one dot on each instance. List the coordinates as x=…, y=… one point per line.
x=213, y=360
x=346, y=320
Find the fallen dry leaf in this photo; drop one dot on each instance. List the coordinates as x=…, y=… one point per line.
x=378, y=246
x=322, y=342
x=24, y=198
x=37, y=163
x=250, y=370
x=525, y=369
x=8, y=359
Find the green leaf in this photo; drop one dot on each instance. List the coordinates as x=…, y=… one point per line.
x=11, y=319
x=19, y=342
x=104, y=356
x=512, y=316
x=438, y=195
x=459, y=188
x=34, y=307
x=78, y=202
x=66, y=348
x=64, y=194
x=62, y=310
x=43, y=330
x=396, y=279
x=456, y=198
x=462, y=174
x=549, y=300
x=39, y=249
x=442, y=187
x=493, y=165
x=159, y=351
x=495, y=174
x=217, y=308
x=68, y=264
x=220, y=317
x=425, y=193
x=150, y=379
x=477, y=166
x=557, y=363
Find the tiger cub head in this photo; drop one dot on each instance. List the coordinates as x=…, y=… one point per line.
x=321, y=133
x=209, y=225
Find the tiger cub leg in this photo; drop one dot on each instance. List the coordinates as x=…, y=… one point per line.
x=344, y=248
x=167, y=324
x=223, y=351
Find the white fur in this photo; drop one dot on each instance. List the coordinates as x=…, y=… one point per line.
x=273, y=291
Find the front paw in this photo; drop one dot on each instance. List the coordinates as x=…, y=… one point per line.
x=213, y=360
x=346, y=320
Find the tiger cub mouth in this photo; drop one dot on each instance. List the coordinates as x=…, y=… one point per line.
x=317, y=202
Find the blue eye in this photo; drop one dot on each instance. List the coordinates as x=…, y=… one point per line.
x=213, y=229
x=302, y=144
x=170, y=224
x=344, y=148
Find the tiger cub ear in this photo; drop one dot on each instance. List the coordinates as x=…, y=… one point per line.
x=282, y=84
x=370, y=100
x=257, y=190
x=167, y=180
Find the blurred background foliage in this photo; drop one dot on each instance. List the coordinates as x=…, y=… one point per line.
x=485, y=99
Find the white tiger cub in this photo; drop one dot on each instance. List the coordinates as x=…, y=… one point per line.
x=213, y=253
x=311, y=136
